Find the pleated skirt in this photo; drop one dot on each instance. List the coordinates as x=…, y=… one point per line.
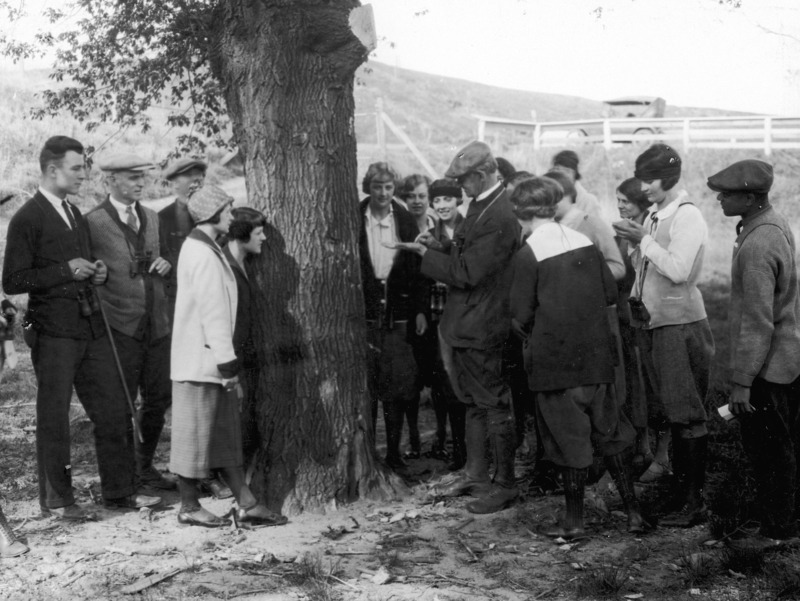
x=206, y=429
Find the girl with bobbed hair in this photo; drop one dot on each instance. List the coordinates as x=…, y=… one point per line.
x=641, y=406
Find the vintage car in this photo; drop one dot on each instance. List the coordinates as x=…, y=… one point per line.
x=640, y=109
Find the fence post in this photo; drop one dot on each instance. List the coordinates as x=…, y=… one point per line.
x=686, y=136
x=606, y=134
x=767, y=136
x=381, y=129
x=537, y=136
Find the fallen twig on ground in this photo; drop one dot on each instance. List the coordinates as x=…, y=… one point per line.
x=146, y=583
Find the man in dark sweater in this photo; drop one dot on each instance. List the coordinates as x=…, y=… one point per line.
x=48, y=256
x=476, y=323
x=559, y=296
x=764, y=320
x=125, y=236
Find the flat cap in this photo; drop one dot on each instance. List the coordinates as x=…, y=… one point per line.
x=124, y=161
x=743, y=176
x=206, y=202
x=183, y=165
x=468, y=158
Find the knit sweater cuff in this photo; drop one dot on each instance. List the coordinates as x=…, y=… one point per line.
x=742, y=379
x=229, y=369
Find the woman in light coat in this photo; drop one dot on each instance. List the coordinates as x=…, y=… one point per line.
x=206, y=429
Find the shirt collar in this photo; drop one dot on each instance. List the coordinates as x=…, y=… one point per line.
x=671, y=207
x=489, y=192
x=374, y=221
x=54, y=200
x=121, y=207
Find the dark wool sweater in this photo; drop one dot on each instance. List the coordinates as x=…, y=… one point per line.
x=560, y=292
x=39, y=245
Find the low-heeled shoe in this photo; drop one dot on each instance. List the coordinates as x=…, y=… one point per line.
x=189, y=519
x=215, y=487
x=260, y=516
x=69, y=512
x=134, y=501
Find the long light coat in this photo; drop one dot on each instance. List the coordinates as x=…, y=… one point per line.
x=205, y=312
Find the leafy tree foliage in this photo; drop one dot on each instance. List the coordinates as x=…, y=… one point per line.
x=114, y=60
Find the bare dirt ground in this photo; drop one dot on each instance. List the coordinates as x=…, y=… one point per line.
x=416, y=547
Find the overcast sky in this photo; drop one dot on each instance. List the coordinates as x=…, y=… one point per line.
x=691, y=52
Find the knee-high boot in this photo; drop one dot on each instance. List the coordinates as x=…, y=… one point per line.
x=689, y=455
x=504, y=490
x=475, y=476
x=619, y=466
x=574, y=486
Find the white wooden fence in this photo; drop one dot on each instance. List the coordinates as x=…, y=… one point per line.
x=766, y=133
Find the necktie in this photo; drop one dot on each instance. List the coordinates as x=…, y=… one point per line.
x=68, y=212
x=131, y=220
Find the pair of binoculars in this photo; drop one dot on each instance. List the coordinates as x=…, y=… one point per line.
x=88, y=301
x=140, y=264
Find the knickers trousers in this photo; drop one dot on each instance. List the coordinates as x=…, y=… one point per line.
x=146, y=364
x=89, y=365
x=677, y=359
x=771, y=436
x=574, y=420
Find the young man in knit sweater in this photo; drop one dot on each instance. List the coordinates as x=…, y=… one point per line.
x=125, y=236
x=677, y=348
x=559, y=296
x=764, y=320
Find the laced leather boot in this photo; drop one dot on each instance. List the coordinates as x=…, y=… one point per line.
x=619, y=466
x=9, y=545
x=572, y=525
x=692, y=454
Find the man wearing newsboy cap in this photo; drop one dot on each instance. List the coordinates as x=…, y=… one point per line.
x=185, y=175
x=476, y=322
x=125, y=235
x=764, y=318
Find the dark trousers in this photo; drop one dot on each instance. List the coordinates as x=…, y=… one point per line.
x=146, y=365
x=391, y=379
x=771, y=437
x=89, y=365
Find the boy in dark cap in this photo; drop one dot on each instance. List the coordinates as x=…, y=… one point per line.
x=764, y=320
x=567, y=163
x=677, y=347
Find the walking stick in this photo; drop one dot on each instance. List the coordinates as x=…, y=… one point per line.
x=137, y=429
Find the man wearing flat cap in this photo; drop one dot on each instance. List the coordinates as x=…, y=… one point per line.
x=476, y=322
x=49, y=256
x=764, y=321
x=125, y=236
x=185, y=175
x=675, y=341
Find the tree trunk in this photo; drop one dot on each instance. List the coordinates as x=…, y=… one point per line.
x=287, y=70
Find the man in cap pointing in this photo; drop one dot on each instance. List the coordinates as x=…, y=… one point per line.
x=125, y=236
x=764, y=320
x=476, y=322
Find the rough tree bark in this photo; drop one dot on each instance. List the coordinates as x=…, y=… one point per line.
x=287, y=70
